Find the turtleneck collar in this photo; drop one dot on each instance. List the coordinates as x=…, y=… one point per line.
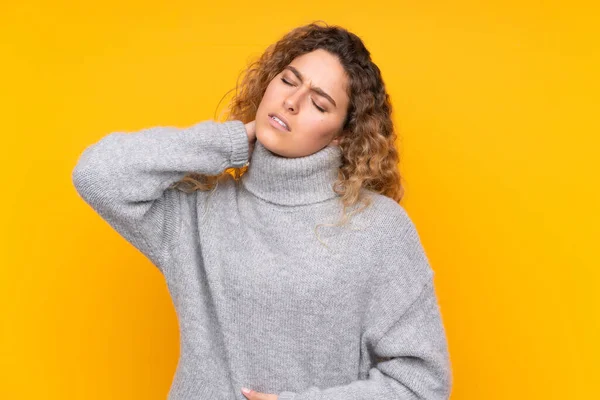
x=292, y=181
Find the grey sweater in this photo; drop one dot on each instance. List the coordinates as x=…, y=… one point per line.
x=265, y=298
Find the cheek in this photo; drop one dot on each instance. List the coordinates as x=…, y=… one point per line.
x=272, y=91
x=328, y=128
x=322, y=123
x=318, y=128
x=267, y=97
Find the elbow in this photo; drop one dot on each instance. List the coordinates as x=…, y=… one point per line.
x=94, y=165
x=88, y=176
x=82, y=180
x=444, y=383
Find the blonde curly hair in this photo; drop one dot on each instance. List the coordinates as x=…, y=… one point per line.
x=369, y=156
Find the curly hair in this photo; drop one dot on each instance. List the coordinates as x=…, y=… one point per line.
x=369, y=156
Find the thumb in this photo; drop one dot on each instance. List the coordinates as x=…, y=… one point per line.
x=250, y=394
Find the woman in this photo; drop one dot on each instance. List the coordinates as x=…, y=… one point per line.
x=273, y=292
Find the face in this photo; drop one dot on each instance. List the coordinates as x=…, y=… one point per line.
x=309, y=95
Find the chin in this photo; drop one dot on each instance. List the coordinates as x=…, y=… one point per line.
x=270, y=140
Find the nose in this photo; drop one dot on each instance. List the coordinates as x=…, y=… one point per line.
x=292, y=102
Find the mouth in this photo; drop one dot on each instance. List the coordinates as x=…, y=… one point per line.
x=279, y=122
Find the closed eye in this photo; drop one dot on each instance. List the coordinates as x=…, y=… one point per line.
x=290, y=84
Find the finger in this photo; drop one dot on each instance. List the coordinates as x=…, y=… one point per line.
x=249, y=394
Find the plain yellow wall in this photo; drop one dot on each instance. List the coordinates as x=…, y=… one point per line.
x=497, y=106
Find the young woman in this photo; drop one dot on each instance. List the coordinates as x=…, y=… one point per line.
x=292, y=267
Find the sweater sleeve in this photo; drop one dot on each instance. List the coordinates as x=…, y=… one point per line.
x=413, y=361
x=125, y=177
x=406, y=338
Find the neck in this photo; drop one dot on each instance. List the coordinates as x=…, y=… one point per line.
x=292, y=181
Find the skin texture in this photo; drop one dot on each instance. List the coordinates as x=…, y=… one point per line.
x=311, y=129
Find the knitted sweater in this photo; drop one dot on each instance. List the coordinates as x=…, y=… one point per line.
x=266, y=298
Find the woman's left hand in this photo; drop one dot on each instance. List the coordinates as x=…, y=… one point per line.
x=254, y=395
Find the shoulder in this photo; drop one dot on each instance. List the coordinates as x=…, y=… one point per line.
x=397, y=244
x=386, y=217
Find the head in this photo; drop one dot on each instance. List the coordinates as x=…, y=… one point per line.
x=321, y=81
x=310, y=97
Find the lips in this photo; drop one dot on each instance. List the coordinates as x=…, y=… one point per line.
x=282, y=119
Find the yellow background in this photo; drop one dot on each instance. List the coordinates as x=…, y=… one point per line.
x=497, y=106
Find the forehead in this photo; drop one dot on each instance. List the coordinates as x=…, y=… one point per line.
x=322, y=69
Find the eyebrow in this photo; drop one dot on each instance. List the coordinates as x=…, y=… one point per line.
x=315, y=89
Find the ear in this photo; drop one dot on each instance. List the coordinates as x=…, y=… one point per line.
x=336, y=140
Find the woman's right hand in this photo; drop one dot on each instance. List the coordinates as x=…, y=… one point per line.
x=251, y=132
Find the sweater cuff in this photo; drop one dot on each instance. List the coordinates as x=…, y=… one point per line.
x=239, y=143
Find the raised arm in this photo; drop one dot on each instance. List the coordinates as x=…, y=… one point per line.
x=125, y=177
